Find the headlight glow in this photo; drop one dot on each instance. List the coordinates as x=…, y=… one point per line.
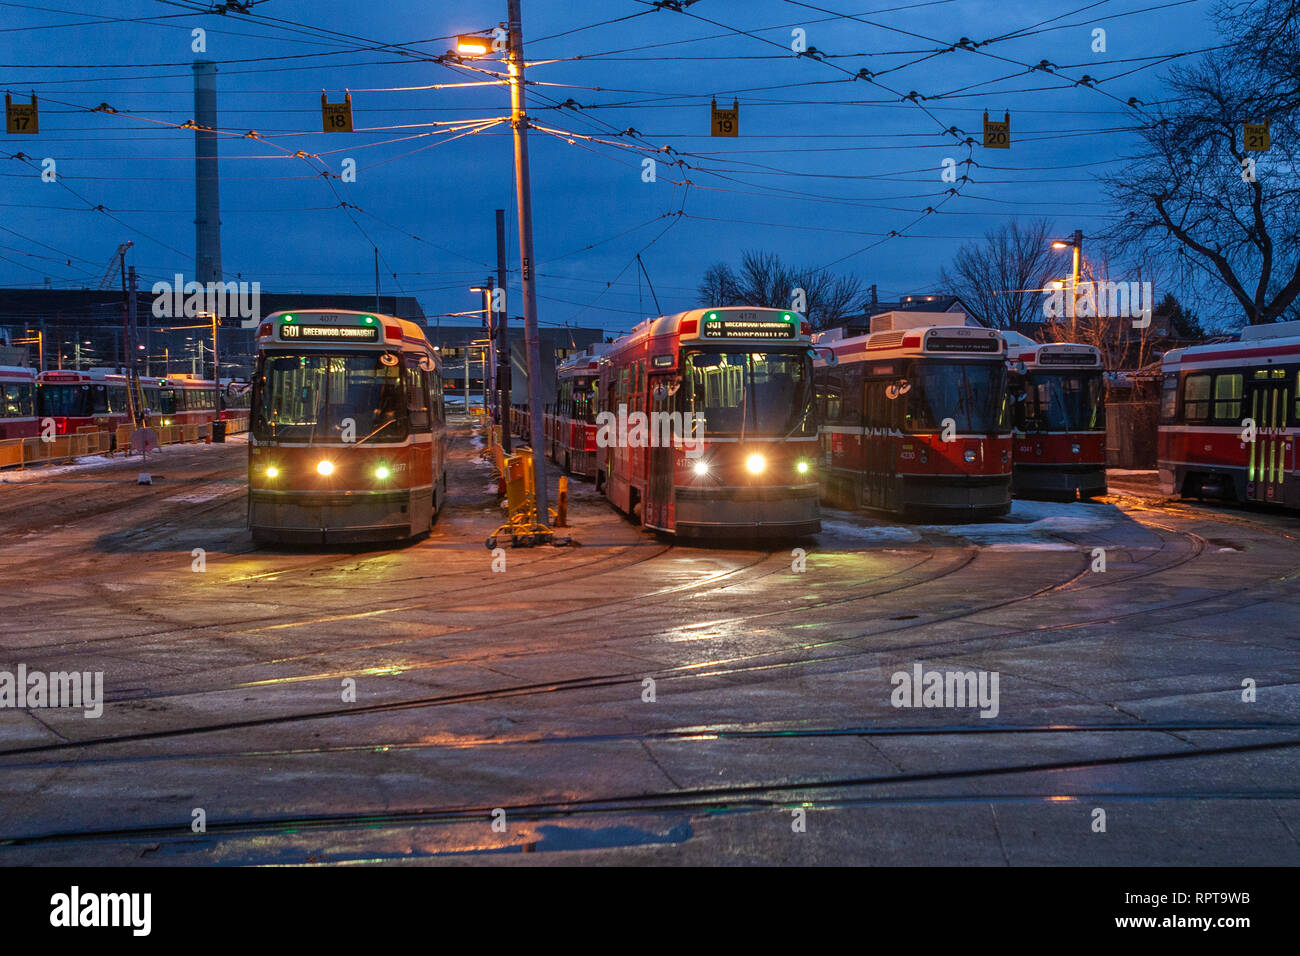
x=801, y=467
x=700, y=468
x=755, y=463
x=272, y=471
x=325, y=467
x=382, y=472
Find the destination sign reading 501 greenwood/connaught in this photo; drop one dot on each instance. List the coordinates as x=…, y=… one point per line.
x=341, y=333
x=748, y=329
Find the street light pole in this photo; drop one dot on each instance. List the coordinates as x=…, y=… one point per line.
x=503, y=345
x=523, y=190
x=1075, y=242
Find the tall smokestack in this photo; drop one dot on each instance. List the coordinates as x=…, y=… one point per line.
x=207, y=198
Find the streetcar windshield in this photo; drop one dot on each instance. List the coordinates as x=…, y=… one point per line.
x=318, y=397
x=58, y=401
x=759, y=393
x=1064, y=401
x=972, y=394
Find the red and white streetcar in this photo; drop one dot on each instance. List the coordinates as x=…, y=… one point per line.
x=913, y=417
x=737, y=381
x=348, y=433
x=99, y=397
x=1228, y=415
x=1058, y=396
x=571, y=421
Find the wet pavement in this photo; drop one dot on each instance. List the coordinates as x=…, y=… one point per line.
x=1132, y=695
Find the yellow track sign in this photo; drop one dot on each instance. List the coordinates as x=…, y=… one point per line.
x=997, y=135
x=725, y=122
x=336, y=117
x=21, y=117
x=1255, y=136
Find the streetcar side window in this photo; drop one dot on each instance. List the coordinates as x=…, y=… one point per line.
x=1169, y=399
x=98, y=399
x=436, y=413
x=1227, y=397
x=417, y=398
x=1196, y=398
x=18, y=401
x=829, y=401
x=852, y=397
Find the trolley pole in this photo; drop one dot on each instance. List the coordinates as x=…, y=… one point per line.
x=523, y=189
x=503, y=344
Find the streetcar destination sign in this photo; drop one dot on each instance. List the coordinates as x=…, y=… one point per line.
x=748, y=329
x=948, y=343
x=338, y=333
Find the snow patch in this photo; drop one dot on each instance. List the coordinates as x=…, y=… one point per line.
x=872, y=533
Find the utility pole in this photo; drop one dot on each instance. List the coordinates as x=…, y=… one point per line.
x=1076, y=243
x=216, y=361
x=134, y=394
x=489, y=383
x=126, y=318
x=377, y=279
x=503, y=344
x=523, y=189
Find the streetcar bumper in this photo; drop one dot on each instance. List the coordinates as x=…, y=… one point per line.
x=1059, y=481
x=956, y=496
x=337, y=517
x=760, y=511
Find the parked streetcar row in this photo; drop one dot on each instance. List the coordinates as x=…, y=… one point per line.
x=922, y=416
x=72, y=401
x=713, y=421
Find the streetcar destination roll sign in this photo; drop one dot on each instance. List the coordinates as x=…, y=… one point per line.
x=331, y=333
x=748, y=329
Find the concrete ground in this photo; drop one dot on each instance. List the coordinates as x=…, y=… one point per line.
x=632, y=699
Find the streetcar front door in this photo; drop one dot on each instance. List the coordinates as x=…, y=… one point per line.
x=658, y=506
x=1269, y=457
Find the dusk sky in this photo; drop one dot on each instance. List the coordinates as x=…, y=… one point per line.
x=826, y=166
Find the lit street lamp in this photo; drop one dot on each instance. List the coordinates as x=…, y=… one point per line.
x=1075, y=242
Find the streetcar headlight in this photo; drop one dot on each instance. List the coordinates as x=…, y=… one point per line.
x=969, y=454
x=802, y=467
x=700, y=468
x=382, y=472
x=272, y=471
x=755, y=464
x=1074, y=449
x=325, y=467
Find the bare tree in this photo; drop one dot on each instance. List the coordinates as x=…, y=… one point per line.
x=829, y=298
x=764, y=280
x=1193, y=185
x=1003, y=275
x=719, y=286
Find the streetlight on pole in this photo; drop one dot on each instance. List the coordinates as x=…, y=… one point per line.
x=486, y=290
x=478, y=46
x=1075, y=242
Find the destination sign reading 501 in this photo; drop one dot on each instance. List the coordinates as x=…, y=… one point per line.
x=748, y=329
x=344, y=333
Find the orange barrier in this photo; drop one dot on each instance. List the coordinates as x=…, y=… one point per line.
x=63, y=448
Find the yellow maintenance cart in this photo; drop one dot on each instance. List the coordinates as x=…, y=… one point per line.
x=521, y=502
